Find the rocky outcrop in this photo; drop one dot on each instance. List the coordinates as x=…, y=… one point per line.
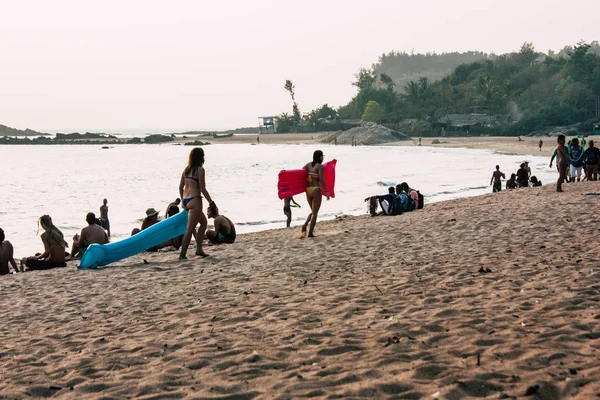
x=367, y=134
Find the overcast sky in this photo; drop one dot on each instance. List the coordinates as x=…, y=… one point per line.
x=134, y=64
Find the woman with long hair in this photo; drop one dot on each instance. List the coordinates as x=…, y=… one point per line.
x=191, y=188
x=314, y=194
x=54, y=247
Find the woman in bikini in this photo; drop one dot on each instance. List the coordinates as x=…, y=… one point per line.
x=313, y=190
x=191, y=188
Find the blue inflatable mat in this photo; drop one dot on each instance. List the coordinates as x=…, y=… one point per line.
x=98, y=255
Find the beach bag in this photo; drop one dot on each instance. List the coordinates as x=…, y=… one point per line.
x=421, y=199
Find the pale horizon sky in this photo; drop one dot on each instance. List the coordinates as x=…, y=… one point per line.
x=183, y=65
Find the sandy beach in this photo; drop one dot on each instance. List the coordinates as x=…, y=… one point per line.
x=501, y=144
x=386, y=307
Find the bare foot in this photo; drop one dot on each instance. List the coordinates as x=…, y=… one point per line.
x=182, y=257
x=201, y=254
x=311, y=235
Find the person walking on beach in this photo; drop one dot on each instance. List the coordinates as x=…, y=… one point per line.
x=191, y=188
x=54, y=247
x=104, y=223
x=592, y=158
x=497, y=177
x=287, y=209
x=314, y=195
x=563, y=161
x=540, y=143
x=6, y=255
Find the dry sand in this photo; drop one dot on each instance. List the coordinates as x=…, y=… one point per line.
x=275, y=317
x=500, y=144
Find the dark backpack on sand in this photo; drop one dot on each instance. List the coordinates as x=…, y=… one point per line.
x=421, y=198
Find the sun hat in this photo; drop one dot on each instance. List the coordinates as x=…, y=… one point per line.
x=151, y=211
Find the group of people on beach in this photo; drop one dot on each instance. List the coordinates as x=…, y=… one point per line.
x=192, y=191
x=572, y=161
x=522, y=178
x=399, y=199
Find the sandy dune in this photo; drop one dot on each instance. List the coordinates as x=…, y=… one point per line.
x=277, y=317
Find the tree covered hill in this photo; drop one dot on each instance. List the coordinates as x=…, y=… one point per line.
x=524, y=91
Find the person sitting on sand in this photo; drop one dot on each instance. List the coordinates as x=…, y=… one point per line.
x=523, y=176
x=151, y=219
x=576, y=163
x=173, y=208
x=535, y=182
x=91, y=234
x=287, y=209
x=224, y=229
x=497, y=177
x=512, y=182
x=54, y=247
x=314, y=195
x=410, y=192
x=6, y=255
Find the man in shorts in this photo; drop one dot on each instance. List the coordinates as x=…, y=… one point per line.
x=104, y=217
x=224, y=229
x=497, y=179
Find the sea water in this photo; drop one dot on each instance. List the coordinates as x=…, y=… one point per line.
x=68, y=181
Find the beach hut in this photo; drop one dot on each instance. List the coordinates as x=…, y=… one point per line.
x=266, y=124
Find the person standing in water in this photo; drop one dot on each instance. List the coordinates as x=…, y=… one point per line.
x=314, y=195
x=104, y=217
x=287, y=208
x=497, y=179
x=191, y=188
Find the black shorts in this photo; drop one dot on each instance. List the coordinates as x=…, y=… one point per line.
x=287, y=210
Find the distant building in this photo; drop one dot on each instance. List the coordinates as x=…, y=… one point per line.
x=266, y=124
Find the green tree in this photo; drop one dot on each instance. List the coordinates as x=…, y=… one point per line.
x=365, y=78
x=374, y=112
x=289, y=86
x=387, y=81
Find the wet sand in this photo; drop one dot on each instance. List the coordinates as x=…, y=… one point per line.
x=385, y=307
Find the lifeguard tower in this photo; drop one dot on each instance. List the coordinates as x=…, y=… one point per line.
x=266, y=124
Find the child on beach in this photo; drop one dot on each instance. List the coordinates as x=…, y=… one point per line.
x=576, y=159
x=287, y=209
x=104, y=222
